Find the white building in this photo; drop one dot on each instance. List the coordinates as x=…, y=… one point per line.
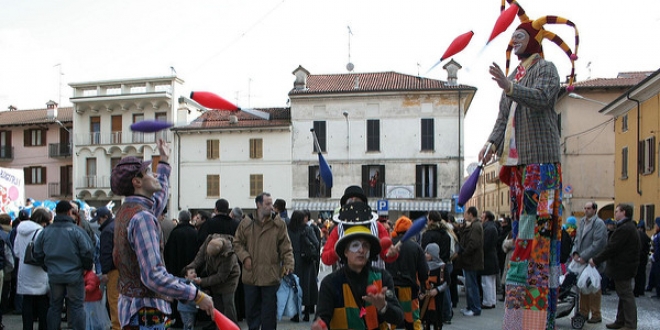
x=232, y=155
x=398, y=136
x=103, y=113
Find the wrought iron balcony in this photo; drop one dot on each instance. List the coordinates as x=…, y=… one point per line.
x=59, y=150
x=6, y=153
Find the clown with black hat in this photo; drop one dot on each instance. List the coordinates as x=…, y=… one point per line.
x=355, y=194
x=357, y=295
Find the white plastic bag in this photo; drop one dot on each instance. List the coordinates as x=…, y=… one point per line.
x=576, y=267
x=589, y=281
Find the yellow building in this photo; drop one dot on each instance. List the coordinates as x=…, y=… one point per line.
x=637, y=122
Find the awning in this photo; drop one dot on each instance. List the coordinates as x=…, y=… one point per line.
x=422, y=205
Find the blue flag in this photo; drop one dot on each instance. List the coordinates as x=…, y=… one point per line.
x=325, y=172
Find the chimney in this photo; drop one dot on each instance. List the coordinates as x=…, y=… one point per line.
x=452, y=68
x=51, y=110
x=301, y=78
x=12, y=108
x=356, y=82
x=233, y=119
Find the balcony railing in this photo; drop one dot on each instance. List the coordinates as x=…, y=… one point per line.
x=6, y=153
x=56, y=189
x=94, y=181
x=59, y=150
x=114, y=138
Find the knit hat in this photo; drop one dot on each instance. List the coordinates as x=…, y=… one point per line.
x=121, y=181
x=536, y=35
x=641, y=224
x=657, y=221
x=571, y=220
x=353, y=191
x=434, y=251
x=401, y=225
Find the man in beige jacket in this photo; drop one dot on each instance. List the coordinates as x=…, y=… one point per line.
x=262, y=244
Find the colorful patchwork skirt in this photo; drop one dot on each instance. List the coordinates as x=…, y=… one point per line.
x=532, y=279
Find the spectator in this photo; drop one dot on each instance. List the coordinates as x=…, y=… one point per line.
x=645, y=249
x=622, y=256
x=305, y=266
x=32, y=281
x=263, y=246
x=66, y=251
x=179, y=252
x=491, y=268
x=279, y=206
x=219, y=272
x=471, y=258
x=96, y=315
x=110, y=274
x=187, y=308
x=407, y=271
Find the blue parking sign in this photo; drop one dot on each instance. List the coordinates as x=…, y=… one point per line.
x=383, y=205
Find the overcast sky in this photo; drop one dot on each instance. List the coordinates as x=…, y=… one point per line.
x=245, y=50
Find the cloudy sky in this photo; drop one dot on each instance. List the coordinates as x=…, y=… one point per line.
x=245, y=50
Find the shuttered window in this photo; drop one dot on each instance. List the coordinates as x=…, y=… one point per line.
x=256, y=148
x=256, y=184
x=212, y=149
x=212, y=185
x=34, y=137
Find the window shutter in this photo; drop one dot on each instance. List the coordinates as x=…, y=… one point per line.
x=43, y=175
x=312, y=185
x=365, y=178
x=26, y=138
x=27, y=173
x=418, y=180
x=43, y=137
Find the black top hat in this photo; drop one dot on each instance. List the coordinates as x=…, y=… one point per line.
x=353, y=191
x=355, y=213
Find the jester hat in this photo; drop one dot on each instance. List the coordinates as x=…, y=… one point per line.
x=537, y=33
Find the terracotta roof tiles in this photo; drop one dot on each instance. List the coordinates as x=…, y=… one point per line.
x=36, y=116
x=217, y=119
x=371, y=82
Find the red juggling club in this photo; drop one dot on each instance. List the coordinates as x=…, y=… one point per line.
x=504, y=21
x=213, y=101
x=456, y=46
x=222, y=322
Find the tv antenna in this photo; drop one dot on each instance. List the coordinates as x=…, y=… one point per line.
x=59, y=84
x=350, y=65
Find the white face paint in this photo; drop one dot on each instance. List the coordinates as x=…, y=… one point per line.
x=356, y=245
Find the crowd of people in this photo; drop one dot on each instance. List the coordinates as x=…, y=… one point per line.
x=132, y=270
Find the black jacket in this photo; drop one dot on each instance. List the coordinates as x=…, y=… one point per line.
x=107, y=243
x=409, y=266
x=491, y=264
x=178, y=250
x=621, y=252
x=436, y=233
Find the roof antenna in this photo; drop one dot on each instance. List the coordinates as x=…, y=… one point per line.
x=350, y=65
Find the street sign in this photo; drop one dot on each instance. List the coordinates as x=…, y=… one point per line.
x=568, y=189
x=383, y=205
x=457, y=209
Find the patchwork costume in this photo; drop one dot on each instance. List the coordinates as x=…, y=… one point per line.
x=527, y=139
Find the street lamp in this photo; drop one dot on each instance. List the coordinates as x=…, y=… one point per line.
x=580, y=97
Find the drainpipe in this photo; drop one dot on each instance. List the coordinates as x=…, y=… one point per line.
x=178, y=171
x=639, y=115
x=460, y=168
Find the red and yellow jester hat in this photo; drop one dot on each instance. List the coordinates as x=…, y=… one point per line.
x=537, y=33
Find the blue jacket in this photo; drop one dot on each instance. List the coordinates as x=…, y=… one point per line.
x=65, y=249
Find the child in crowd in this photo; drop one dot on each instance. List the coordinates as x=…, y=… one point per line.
x=432, y=299
x=95, y=312
x=188, y=309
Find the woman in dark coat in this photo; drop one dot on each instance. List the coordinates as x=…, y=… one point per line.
x=304, y=269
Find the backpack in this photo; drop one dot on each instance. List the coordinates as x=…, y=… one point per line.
x=308, y=250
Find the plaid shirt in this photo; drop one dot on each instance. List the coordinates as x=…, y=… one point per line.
x=537, y=134
x=144, y=237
